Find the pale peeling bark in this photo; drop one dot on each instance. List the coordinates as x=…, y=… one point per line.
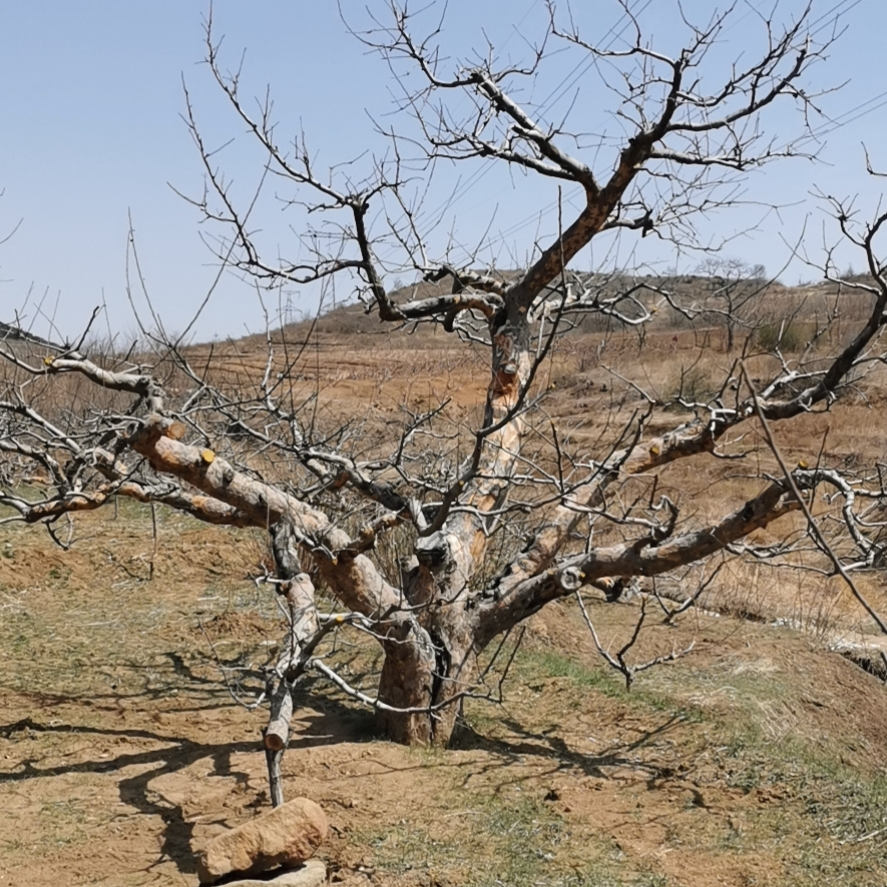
x=408, y=682
x=215, y=476
x=590, y=222
x=204, y=508
x=513, y=601
x=511, y=364
x=691, y=439
x=442, y=656
x=429, y=663
x=354, y=578
x=550, y=539
x=408, y=673
x=297, y=589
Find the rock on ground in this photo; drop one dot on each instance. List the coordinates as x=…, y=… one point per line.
x=311, y=874
x=287, y=835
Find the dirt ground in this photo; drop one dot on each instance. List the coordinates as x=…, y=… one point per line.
x=757, y=759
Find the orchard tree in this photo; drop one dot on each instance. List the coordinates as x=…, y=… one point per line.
x=162, y=430
x=734, y=289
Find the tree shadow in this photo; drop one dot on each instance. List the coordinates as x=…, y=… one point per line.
x=548, y=745
x=325, y=720
x=177, y=754
x=319, y=719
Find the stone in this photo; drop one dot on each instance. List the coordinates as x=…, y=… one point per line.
x=287, y=835
x=311, y=874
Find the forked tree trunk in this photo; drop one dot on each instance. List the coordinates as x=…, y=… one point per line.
x=407, y=682
x=434, y=667
x=428, y=663
x=427, y=673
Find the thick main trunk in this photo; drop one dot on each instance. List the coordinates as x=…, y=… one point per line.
x=407, y=683
x=441, y=705
x=429, y=672
x=426, y=672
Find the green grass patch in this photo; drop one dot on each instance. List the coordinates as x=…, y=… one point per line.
x=791, y=336
x=534, y=667
x=538, y=665
x=502, y=840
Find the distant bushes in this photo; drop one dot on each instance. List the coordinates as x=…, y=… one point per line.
x=784, y=335
x=695, y=384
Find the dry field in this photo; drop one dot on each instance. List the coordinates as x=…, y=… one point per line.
x=756, y=760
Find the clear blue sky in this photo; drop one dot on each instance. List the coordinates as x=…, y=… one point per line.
x=91, y=98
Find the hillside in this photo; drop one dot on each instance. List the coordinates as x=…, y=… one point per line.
x=758, y=758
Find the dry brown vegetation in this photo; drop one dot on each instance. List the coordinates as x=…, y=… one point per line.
x=589, y=395
x=758, y=759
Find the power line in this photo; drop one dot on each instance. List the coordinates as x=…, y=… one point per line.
x=822, y=22
x=481, y=171
x=831, y=126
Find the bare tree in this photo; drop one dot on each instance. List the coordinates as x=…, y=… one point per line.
x=733, y=289
x=441, y=622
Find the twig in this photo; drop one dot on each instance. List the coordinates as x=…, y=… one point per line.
x=811, y=523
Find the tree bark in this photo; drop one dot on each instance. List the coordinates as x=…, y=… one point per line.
x=407, y=682
x=432, y=666
x=428, y=669
x=298, y=590
x=275, y=782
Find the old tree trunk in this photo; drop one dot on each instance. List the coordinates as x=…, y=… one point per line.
x=433, y=668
